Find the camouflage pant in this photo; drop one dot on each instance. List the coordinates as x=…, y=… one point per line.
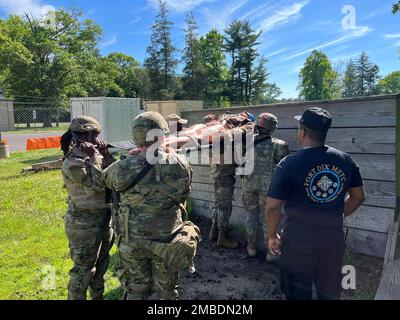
x=254, y=203
x=90, y=239
x=142, y=273
x=223, y=191
x=257, y=232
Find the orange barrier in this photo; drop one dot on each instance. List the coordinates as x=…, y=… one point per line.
x=43, y=143
x=4, y=141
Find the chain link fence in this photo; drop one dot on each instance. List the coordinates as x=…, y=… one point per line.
x=21, y=121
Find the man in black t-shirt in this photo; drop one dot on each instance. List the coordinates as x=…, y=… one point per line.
x=318, y=186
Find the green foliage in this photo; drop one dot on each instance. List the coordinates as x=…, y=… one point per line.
x=47, y=57
x=161, y=62
x=389, y=84
x=194, y=79
x=317, y=77
x=248, y=74
x=349, y=81
x=396, y=7
x=216, y=67
x=367, y=76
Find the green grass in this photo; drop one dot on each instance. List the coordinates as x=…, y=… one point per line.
x=32, y=237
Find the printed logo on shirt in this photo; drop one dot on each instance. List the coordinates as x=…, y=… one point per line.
x=325, y=183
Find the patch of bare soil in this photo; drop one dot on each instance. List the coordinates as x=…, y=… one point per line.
x=224, y=274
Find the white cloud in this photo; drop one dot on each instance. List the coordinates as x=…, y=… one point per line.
x=378, y=12
x=20, y=7
x=276, y=52
x=220, y=18
x=392, y=35
x=283, y=16
x=356, y=33
x=108, y=42
x=260, y=11
x=180, y=5
x=136, y=20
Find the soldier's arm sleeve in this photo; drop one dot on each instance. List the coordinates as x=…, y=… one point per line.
x=121, y=173
x=281, y=151
x=87, y=173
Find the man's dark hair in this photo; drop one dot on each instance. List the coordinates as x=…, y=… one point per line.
x=316, y=136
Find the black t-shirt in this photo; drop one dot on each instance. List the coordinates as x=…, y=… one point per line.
x=313, y=183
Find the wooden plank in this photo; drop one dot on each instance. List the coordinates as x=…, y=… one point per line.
x=349, y=113
x=376, y=167
x=384, y=289
x=351, y=140
x=393, y=236
x=398, y=158
x=366, y=218
x=371, y=218
x=378, y=194
x=395, y=288
x=367, y=242
x=362, y=241
x=372, y=167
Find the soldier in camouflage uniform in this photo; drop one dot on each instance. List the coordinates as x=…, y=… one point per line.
x=87, y=222
x=223, y=178
x=150, y=212
x=268, y=152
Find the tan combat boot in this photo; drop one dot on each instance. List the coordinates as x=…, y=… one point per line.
x=223, y=242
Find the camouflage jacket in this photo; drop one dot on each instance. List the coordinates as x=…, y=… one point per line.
x=152, y=208
x=267, y=154
x=82, y=178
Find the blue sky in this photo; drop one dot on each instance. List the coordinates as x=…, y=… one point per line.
x=291, y=28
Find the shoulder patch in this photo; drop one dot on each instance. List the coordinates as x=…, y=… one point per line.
x=77, y=163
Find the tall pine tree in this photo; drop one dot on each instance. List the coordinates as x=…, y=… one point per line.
x=194, y=80
x=367, y=76
x=161, y=63
x=349, y=80
x=248, y=72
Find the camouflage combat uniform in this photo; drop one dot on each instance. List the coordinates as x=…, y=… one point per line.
x=150, y=214
x=223, y=178
x=268, y=152
x=87, y=224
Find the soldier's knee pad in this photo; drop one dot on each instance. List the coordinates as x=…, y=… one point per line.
x=80, y=278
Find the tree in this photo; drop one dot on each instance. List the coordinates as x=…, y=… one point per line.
x=390, y=84
x=53, y=57
x=367, y=76
x=161, y=62
x=261, y=90
x=216, y=68
x=194, y=80
x=232, y=45
x=349, y=80
x=396, y=7
x=127, y=75
x=248, y=71
x=317, y=77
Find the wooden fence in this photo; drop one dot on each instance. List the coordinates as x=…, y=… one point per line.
x=363, y=127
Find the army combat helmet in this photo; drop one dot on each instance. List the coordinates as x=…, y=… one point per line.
x=267, y=123
x=84, y=124
x=145, y=122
